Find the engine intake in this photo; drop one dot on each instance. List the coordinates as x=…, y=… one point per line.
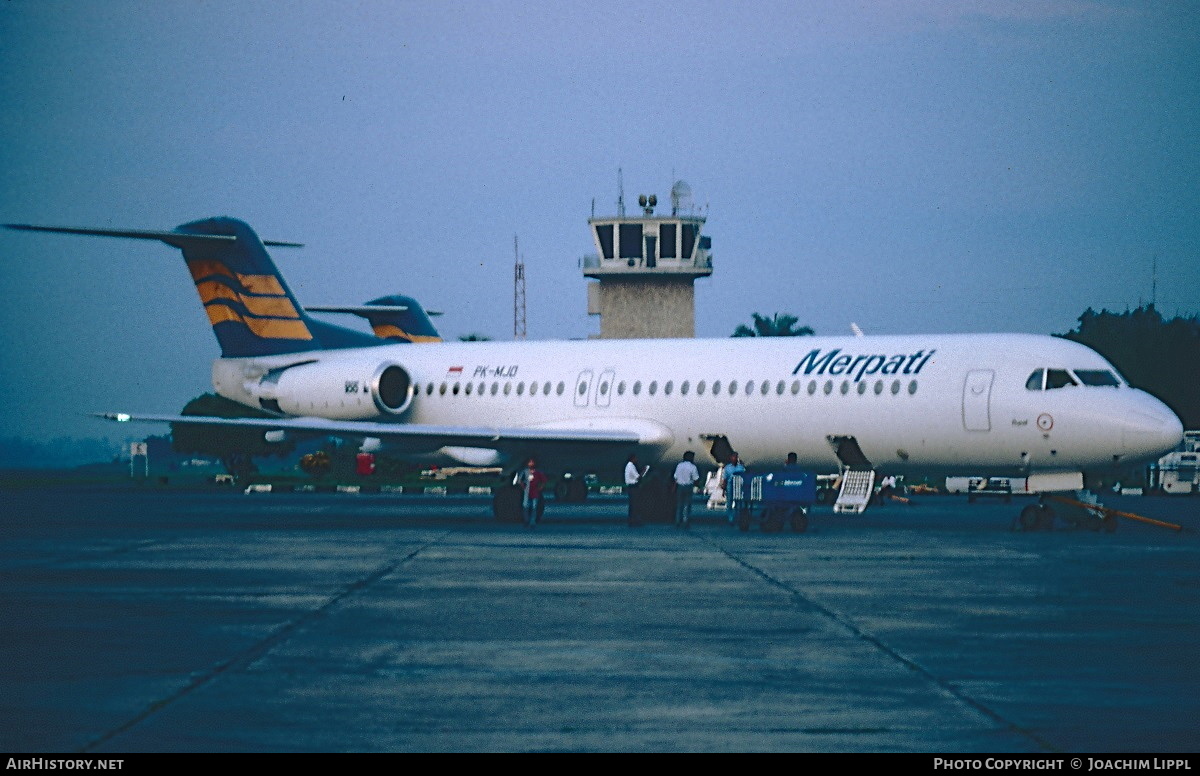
x=392, y=389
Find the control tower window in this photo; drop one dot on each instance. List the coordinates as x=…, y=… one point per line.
x=688, y=241
x=631, y=241
x=666, y=241
x=604, y=233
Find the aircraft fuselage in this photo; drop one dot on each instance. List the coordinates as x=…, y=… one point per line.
x=953, y=403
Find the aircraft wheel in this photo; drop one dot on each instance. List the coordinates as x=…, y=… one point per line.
x=562, y=490
x=1110, y=524
x=1030, y=517
x=743, y=521
x=577, y=490
x=772, y=521
x=799, y=520
x=1045, y=518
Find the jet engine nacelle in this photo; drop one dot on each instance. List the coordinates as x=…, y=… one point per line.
x=334, y=390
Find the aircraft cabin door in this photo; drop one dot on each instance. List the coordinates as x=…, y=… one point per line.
x=583, y=387
x=604, y=388
x=977, y=399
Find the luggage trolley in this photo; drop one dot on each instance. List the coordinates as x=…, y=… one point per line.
x=775, y=499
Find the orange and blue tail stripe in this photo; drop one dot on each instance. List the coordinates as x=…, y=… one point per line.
x=251, y=309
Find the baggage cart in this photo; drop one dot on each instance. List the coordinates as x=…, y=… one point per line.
x=774, y=500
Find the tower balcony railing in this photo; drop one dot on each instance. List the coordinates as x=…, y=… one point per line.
x=699, y=264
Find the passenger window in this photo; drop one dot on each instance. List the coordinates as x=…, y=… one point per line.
x=716, y=387
x=455, y=389
x=1034, y=383
x=812, y=387
x=667, y=388
x=845, y=387
x=1058, y=378
x=700, y=388
x=765, y=388
x=495, y=388
x=560, y=388
x=520, y=389
x=480, y=389
x=878, y=387
x=442, y=390
x=749, y=387
x=732, y=387
x=653, y=389
x=828, y=387
x=912, y=387
x=533, y=389
x=468, y=388
x=862, y=388
x=507, y=388
x=683, y=388
x=546, y=388
x=429, y=390
x=895, y=387
x=637, y=387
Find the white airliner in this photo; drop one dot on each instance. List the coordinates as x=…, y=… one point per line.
x=1034, y=406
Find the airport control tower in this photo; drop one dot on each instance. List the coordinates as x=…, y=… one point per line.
x=645, y=267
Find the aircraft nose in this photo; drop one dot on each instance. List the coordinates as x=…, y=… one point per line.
x=1150, y=429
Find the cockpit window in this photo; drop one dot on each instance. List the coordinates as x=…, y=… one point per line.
x=1100, y=377
x=1058, y=378
x=1034, y=383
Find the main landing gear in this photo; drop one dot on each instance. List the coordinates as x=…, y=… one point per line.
x=1035, y=517
x=1075, y=514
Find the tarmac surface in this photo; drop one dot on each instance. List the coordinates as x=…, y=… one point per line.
x=151, y=619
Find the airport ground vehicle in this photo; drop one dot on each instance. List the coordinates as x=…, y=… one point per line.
x=1175, y=473
x=775, y=499
x=993, y=487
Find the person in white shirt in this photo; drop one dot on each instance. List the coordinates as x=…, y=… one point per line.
x=686, y=475
x=633, y=478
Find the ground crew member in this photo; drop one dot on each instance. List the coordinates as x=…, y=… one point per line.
x=731, y=502
x=633, y=478
x=533, y=483
x=686, y=475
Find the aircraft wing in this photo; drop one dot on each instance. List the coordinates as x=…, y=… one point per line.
x=421, y=436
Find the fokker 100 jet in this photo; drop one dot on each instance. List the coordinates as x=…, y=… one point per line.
x=1039, y=407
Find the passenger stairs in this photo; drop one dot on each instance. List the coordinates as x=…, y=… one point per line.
x=858, y=485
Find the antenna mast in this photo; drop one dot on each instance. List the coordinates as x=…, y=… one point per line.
x=518, y=294
x=620, y=194
x=1154, y=281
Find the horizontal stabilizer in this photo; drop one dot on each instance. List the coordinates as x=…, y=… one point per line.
x=363, y=310
x=177, y=239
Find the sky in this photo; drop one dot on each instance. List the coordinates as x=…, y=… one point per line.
x=910, y=167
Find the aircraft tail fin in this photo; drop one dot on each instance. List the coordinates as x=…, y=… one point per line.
x=251, y=309
x=395, y=318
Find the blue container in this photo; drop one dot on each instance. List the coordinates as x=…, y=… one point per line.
x=791, y=487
